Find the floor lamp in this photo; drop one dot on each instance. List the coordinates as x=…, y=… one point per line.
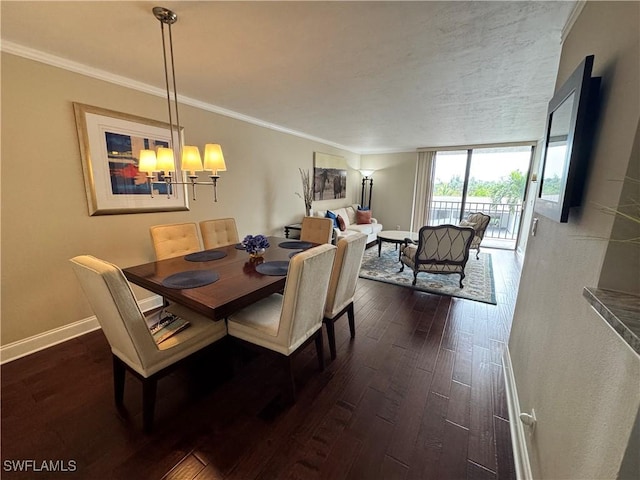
x=366, y=176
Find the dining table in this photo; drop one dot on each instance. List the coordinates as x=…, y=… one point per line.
x=238, y=281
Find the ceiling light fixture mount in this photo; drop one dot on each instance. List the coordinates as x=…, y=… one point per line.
x=165, y=15
x=163, y=160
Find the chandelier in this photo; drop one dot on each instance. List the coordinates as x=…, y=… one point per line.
x=163, y=160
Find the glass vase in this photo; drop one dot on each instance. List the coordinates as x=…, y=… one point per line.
x=258, y=253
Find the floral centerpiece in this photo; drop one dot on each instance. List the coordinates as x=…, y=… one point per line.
x=255, y=245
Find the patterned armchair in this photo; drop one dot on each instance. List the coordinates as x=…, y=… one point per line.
x=479, y=222
x=440, y=249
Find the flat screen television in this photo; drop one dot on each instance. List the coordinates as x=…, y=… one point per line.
x=571, y=120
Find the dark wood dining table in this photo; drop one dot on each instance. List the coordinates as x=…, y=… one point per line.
x=238, y=286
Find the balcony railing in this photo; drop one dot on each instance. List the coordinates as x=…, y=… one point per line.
x=505, y=217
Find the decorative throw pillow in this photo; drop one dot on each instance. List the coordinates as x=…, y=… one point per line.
x=363, y=216
x=341, y=223
x=333, y=217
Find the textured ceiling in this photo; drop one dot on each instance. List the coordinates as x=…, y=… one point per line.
x=369, y=76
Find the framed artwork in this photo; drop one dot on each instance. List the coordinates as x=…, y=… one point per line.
x=329, y=176
x=110, y=144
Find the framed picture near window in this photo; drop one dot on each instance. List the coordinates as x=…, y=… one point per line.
x=110, y=144
x=329, y=176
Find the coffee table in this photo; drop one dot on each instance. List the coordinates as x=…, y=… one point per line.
x=394, y=236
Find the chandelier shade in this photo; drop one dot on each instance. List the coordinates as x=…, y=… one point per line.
x=213, y=158
x=147, y=161
x=165, y=161
x=191, y=161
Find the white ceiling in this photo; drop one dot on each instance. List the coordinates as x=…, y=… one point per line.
x=367, y=76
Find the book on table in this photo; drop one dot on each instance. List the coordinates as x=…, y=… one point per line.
x=167, y=326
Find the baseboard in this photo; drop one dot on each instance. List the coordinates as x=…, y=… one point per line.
x=41, y=341
x=518, y=438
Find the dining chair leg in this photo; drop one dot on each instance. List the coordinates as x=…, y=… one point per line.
x=119, y=371
x=290, y=381
x=149, y=387
x=352, y=320
x=331, y=336
x=320, y=348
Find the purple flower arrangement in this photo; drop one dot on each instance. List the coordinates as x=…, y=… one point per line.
x=255, y=244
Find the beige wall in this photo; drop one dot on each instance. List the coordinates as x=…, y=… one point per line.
x=393, y=183
x=569, y=365
x=44, y=213
x=621, y=267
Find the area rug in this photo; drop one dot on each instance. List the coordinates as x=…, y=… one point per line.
x=478, y=283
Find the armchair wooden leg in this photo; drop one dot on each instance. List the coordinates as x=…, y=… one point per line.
x=331, y=335
x=119, y=371
x=478, y=254
x=149, y=387
x=320, y=349
x=352, y=320
x=462, y=275
x=415, y=278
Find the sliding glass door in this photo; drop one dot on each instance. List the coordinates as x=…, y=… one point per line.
x=491, y=180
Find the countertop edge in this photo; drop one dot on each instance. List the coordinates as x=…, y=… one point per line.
x=620, y=310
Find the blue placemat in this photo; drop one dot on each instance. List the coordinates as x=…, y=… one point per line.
x=297, y=245
x=239, y=246
x=190, y=279
x=293, y=254
x=279, y=267
x=205, y=256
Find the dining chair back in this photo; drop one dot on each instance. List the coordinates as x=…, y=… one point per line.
x=316, y=230
x=342, y=285
x=132, y=344
x=285, y=323
x=175, y=240
x=219, y=232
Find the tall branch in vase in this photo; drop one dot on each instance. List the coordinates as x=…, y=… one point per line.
x=307, y=191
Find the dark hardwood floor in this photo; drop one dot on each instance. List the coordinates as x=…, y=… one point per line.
x=418, y=394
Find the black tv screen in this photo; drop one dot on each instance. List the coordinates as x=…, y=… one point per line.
x=570, y=123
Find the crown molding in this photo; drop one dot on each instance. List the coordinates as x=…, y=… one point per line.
x=573, y=16
x=76, y=67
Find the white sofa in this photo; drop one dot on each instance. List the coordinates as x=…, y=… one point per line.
x=349, y=216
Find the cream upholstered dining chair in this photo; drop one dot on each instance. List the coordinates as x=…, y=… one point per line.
x=342, y=285
x=479, y=222
x=132, y=344
x=316, y=230
x=219, y=232
x=440, y=249
x=175, y=240
x=285, y=323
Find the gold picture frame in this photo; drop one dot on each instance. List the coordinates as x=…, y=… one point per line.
x=110, y=142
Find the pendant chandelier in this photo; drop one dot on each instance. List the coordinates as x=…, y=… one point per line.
x=163, y=160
